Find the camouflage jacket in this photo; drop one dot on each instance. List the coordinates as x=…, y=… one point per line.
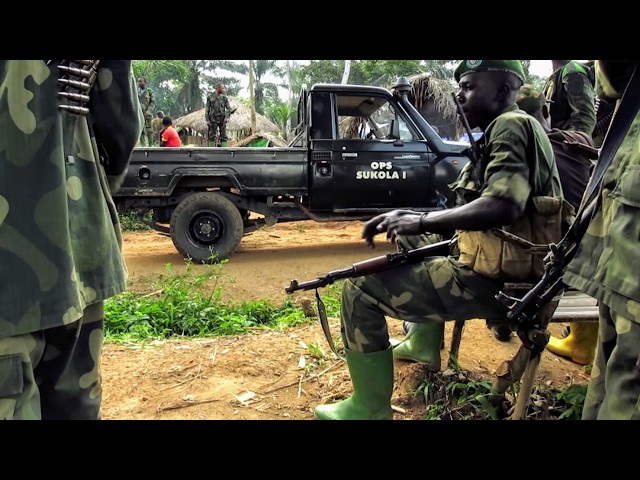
x=517, y=162
x=607, y=262
x=60, y=239
x=573, y=98
x=217, y=108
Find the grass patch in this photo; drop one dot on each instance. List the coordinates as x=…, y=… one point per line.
x=189, y=305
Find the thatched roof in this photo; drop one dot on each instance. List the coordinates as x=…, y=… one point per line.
x=239, y=123
x=424, y=87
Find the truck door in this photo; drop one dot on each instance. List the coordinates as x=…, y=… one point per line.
x=356, y=164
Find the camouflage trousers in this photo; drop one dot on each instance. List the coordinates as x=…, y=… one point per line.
x=436, y=289
x=614, y=388
x=54, y=374
x=146, y=136
x=218, y=127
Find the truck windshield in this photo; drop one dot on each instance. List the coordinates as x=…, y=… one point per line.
x=368, y=118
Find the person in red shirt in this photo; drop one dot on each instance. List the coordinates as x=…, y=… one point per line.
x=169, y=136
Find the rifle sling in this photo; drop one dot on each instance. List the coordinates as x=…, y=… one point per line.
x=322, y=313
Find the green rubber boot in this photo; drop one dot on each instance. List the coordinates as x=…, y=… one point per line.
x=422, y=344
x=372, y=378
x=223, y=144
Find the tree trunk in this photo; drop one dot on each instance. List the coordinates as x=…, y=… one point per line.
x=347, y=71
x=252, y=98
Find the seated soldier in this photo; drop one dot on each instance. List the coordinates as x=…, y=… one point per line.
x=516, y=164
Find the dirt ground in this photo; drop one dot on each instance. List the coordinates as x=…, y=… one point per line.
x=265, y=375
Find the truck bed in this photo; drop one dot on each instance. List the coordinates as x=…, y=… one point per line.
x=257, y=171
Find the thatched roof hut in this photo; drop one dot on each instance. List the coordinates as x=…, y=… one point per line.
x=238, y=127
x=433, y=98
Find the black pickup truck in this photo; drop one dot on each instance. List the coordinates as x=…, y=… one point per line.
x=357, y=151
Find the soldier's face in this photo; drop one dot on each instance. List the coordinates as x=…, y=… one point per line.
x=478, y=96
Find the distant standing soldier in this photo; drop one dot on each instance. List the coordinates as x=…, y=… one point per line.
x=147, y=104
x=217, y=114
x=572, y=94
x=156, y=127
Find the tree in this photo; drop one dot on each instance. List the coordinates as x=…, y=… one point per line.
x=252, y=98
x=347, y=70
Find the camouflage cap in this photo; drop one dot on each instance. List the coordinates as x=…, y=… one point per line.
x=530, y=99
x=471, y=66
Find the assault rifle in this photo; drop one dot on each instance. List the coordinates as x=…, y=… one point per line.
x=525, y=311
x=366, y=267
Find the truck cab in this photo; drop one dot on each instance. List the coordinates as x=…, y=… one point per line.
x=370, y=149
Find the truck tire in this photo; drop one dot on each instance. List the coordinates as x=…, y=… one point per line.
x=206, y=227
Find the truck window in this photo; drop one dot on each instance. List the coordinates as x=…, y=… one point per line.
x=368, y=118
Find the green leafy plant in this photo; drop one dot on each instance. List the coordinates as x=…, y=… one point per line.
x=573, y=398
x=129, y=222
x=459, y=395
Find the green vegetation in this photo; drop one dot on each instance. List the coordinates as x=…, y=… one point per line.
x=461, y=395
x=190, y=305
x=129, y=222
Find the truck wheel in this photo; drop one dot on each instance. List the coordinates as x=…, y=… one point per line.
x=206, y=227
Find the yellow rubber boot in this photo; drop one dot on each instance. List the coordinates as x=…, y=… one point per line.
x=422, y=344
x=579, y=345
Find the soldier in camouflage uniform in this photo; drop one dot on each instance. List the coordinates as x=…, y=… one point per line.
x=147, y=106
x=572, y=96
x=606, y=267
x=516, y=164
x=156, y=127
x=60, y=239
x=217, y=112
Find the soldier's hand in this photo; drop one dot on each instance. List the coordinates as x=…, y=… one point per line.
x=380, y=223
x=408, y=224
